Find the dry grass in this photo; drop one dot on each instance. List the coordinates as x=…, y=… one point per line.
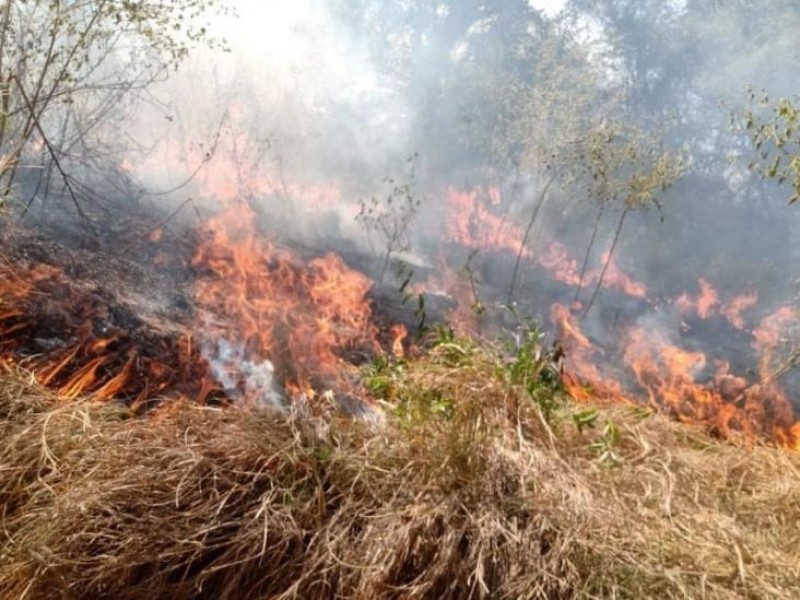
x=466, y=491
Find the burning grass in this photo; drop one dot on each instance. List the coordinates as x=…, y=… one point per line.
x=482, y=481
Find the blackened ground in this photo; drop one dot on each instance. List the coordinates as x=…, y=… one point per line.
x=128, y=303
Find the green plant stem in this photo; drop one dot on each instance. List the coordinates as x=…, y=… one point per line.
x=597, y=287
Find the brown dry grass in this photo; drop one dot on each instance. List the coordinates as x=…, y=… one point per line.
x=466, y=491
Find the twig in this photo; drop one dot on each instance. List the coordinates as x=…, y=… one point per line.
x=470, y=272
x=524, y=241
x=788, y=365
x=206, y=159
x=85, y=219
x=5, y=25
x=606, y=263
x=589, y=250
x=163, y=223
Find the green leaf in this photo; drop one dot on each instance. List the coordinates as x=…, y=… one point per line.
x=585, y=419
x=611, y=433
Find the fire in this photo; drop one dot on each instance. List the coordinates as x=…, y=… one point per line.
x=733, y=310
x=582, y=376
x=667, y=373
x=671, y=377
x=643, y=362
x=302, y=316
x=570, y=335
x=557, y=261
x=67, y=336
x=708, y=303
x=776, y=331
x=471, y=223
x=399, y=334
x=614, y=278
x=704, y=304
x=268, y=324
x=707, y=299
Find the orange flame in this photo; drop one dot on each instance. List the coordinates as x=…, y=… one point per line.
x=399, y=334
x=301, y=317
x=301, y=322
x=674, y=379
x=470, y=222
x=733, y=310
x=562, y=268
x=582, y=378
x=668, y=374
x=704, y=304
x=615, y=279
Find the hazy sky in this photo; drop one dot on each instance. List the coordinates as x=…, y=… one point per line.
x=548, y=6
x=272, y=27
x=300, y=36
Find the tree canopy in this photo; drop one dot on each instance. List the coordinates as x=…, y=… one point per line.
x=68, y=69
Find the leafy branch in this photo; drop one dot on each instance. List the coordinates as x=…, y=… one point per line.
x=774, y=129
x=390, y=217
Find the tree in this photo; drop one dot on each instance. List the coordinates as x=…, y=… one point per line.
x=67, y=65
x=390, y=217
x=496, y=91
x=774, y=128
x=571, y=122
x=443, y=57
x=677, y=61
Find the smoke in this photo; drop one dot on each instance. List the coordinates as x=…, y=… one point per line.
x=243, y=380
x=319, y=104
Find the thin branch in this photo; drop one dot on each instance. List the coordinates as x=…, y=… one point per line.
x=589, y=249
x=523, y=244
x=472, y=283
x=206, y=159
x=163, y=223
x=5, y=25
x=57, y=163
x=48, y=62
x=791, y=362
x=607, y=263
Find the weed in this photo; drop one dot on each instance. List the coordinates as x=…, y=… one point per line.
x=585, y=419
x=532, y=367
x=606, y=444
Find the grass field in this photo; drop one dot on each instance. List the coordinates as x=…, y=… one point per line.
x=480, y=481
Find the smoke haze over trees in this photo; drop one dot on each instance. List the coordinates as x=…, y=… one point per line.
x=400, y=298
x=604, y=125
x=70, y=74
x=498, y=93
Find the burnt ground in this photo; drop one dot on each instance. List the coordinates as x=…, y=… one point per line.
x=75, y=308
x=84, y=316
x=133, y=288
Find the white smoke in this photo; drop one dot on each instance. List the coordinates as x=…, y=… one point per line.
x=242, y=379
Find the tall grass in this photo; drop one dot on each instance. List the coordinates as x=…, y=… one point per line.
x=474, y=485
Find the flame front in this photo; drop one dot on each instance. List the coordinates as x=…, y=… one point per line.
x=645, y=362
x=268, y=324
x=302, y=316
x=272, y=324
x=670, y=376
x=65, y=334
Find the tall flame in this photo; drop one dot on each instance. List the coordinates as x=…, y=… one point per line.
x=274, y=324
x=670, y=376
x=303, y=316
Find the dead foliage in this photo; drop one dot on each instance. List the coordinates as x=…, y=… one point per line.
x=464, y=490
